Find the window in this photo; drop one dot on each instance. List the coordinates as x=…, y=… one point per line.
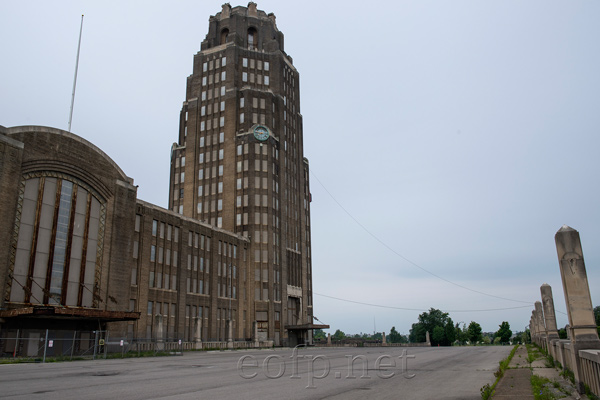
x=223, y=61
x=224, y=34
x=245, y=62
x=153, y=253
x=244, y=77
x=204, y=80
x=266, y=80
x=223, y=75
x=204, y=67
x=221, y=137
x=266, y=65
x=154, y=227
x=222, y=92
x=241, y=118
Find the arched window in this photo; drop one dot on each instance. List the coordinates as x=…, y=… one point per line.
x=224, y=34
x=60, y=234
x=252, y=39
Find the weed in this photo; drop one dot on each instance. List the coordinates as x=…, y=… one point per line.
x=486, y=391
x=540, y=390
x=568, y=374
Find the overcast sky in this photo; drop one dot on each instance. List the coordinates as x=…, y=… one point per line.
x=448, y=140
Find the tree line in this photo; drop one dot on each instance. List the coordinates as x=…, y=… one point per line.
x=442, y=332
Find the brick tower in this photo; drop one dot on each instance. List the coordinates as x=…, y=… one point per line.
x=239, y=165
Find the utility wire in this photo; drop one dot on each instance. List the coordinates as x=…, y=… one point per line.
x=406, y=259
x=416, y=309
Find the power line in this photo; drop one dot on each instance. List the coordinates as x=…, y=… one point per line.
x=416, y=309
x=406, y=259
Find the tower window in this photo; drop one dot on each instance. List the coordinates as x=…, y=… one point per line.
x=252, y=38
x=224, y=34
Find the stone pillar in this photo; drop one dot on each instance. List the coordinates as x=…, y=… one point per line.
x=383, y=342
x=549, y=318
x=329, y=339
x=229, y=327
x=541, y=325
x=158, y=325
x=427, y=340
x=531, y=332
x=533, y=323
x=577, y=297
x=197, y=333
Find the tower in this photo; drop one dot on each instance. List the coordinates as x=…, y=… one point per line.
x=238, y=165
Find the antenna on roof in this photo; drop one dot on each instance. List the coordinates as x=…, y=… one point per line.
x=75, y=79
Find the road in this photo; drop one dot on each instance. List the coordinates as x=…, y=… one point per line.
x=314, y=373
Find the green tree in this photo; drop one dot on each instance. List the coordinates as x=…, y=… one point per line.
x=338, y=335
x=428, y=321
x=394, y=336
x=474, y=332
x=318, y=334
x=461, y=333
x=438, y=336
x=504, y=333
x=562, y=333
x=450, y=332
x=497, y=340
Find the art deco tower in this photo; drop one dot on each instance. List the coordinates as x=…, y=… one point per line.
x=238, y=165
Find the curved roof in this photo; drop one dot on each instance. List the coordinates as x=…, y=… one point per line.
x=71, y=136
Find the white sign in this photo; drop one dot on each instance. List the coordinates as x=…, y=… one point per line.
x=179, y=341
x=121, y=342
x=50, y=343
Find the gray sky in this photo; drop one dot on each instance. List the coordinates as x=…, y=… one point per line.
x=451, y=136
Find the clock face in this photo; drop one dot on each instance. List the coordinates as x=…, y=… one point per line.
x=261, y=133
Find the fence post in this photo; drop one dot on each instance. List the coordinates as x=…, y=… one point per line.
x=45, y=345
x=106, y=345
x=73, y=344
x=95, y=344
x=16, y=344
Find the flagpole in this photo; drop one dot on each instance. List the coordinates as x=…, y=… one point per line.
x=75, y=79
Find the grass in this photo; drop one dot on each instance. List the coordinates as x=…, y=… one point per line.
x=487, y=391
x=541, y=391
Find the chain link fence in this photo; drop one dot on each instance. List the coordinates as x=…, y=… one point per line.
x=37, y=345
